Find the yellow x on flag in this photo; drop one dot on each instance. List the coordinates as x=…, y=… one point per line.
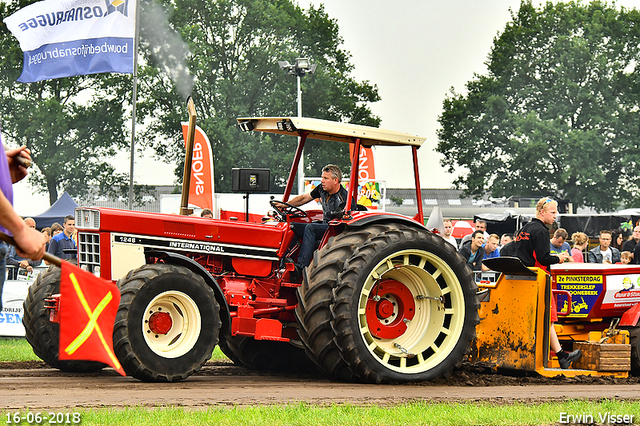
x=76, y=286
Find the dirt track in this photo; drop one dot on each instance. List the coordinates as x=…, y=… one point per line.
x=37, y=387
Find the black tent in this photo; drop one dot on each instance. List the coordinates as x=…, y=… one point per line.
x=502, y=223
x=62, y=207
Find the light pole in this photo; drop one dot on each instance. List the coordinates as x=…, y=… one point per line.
x=302, y=67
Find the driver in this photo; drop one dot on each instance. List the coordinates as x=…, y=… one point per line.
x=333, y=197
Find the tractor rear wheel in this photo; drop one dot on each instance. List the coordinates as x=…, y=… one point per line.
x=270, y=356
x=223, y=344
x=405, y=308
x=167, y=323
x=315, y=296
x=42, y=334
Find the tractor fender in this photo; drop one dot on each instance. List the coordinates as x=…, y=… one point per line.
x=179, y=259
x=631, y=316
x=370, y=219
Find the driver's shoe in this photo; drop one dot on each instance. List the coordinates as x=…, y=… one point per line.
x=296, y=274
x=571, y=356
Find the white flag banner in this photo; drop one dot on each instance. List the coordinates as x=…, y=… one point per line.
x=63, y=38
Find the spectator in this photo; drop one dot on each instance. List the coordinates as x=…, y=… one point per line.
x=56, y=228
x=30, y=222
x=604, y=253
x=617, y=239
x=490, y=249
x=508, y=250
x=631, y=243
x=580, y=245
x=559, y=244
x=473, y=252
x=64, y=240
x=504, y=240
x=625, y=257
x=533, y=249
x=14, y=259
x=481, y=225
x=207, y=213
x=47, y=235
x=448, y=229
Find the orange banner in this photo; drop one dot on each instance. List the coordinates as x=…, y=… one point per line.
x=201, y=188
x=368, y=192
x=366, y=166
x=87, y=319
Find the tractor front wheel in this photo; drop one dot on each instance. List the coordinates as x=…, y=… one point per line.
x=167, y=323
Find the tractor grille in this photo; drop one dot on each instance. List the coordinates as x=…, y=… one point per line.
x=89, y=252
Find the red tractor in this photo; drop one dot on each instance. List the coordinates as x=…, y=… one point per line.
x=383, y=300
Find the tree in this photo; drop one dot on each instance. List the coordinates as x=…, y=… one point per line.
x=557, y=112
x=234, y=49
x=69, y=124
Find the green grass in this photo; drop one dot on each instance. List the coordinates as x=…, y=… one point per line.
x=20, y=350
x=16, y=350
x=415, y=413
x=304, y=414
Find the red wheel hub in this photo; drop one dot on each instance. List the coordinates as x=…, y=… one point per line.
x=384, y=309
x=160, y=322
x=389, y=308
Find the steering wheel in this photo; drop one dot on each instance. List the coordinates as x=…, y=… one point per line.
x=287, y=210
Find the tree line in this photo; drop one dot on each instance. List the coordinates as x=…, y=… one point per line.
x=556, y=113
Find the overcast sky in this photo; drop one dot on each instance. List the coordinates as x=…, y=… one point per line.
x=414, y=51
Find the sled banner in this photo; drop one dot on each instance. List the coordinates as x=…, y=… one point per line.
x=87, y=317
x=201, y=187
x=64, y=38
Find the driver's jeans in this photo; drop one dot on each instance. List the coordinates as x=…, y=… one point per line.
x=310, y=234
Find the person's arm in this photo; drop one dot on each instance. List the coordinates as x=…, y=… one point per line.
x=11, y=257
x=591, y=257
x=543, y=252
x=615, y=255
x=300, y=200
x=30, y=243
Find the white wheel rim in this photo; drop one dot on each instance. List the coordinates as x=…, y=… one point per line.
x=186, y=324
x=435, y=328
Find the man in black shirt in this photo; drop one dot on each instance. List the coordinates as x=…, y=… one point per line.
x=533, y=248
x=333, y=197
x=632, y=243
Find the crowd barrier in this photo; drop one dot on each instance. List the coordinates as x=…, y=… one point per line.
x=16, y=287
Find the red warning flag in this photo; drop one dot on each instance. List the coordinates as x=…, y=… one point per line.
x=88, y=307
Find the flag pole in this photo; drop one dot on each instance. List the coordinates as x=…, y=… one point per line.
x=134, y=100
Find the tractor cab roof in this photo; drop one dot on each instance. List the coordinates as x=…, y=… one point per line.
x=329, y=131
